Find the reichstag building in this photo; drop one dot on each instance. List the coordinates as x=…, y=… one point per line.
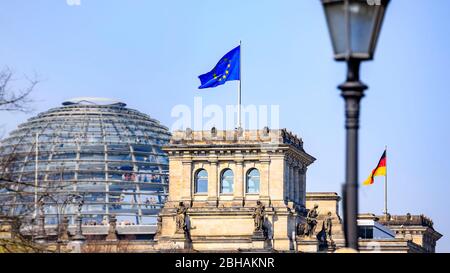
x=93, y=176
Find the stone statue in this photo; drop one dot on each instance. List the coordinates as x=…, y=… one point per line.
x=16, y=223
x=158, y=225
x=259, y=215
x=80, y=206
x=387, y=217
x=64, y=232
x=112, y=231
x=328, y=224
x=188, y=132
x=41, y=206
x=240, y=131
x=301, y=228
x=181, y=218
x=311, y=221
x=408, y=216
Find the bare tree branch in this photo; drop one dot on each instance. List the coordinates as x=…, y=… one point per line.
x=12, y=99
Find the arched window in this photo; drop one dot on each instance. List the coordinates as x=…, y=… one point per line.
x=201, y=181
x=253, y=181
x=226, y=181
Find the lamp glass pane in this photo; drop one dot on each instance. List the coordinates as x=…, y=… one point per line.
x=335, y=13
x=362, y=24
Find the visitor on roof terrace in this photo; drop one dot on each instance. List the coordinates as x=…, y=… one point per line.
x=157, y=178
x=153, y=202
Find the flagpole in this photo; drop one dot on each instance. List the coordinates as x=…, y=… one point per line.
x=36, y=174
x=239, y=87
x=385, y=186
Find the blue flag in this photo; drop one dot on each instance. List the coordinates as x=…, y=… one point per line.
x=227, y=69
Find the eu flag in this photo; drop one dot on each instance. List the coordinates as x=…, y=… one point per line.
x=227, y=69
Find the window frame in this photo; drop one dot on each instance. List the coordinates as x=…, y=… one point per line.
x=196, y=179
x=222, y=179
x=247, y=179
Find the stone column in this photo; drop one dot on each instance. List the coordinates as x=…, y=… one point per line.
x=213, y=182
x=187, y=184
x=300, y=185
x=238, y=200
x=291, y=182
x=264, y=180
x=303, y=185
x=285, y=181
x=296, y=185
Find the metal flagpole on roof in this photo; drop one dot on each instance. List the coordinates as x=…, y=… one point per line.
x=385, y=185
x=36, y=168
x=239, y=87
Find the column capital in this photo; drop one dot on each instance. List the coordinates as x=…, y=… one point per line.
x=186, y=160
x=290, y=160
x=213, y=161
x=303, y=169
x=265, y=161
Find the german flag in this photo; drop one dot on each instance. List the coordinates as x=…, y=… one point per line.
x=380, y=170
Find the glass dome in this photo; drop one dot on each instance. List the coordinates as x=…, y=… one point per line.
x=96, y=149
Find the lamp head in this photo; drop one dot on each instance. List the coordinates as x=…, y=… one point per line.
x=354, y=27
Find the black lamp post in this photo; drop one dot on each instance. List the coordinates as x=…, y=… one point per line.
x=354, y=27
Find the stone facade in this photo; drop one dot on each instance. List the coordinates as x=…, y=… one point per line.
x=225, y=214
x=214, y=220
x=217, y=220
x=328, y=202
x=413, y=233
x=415, y=228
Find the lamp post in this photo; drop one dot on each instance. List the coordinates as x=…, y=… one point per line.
x=354, y=27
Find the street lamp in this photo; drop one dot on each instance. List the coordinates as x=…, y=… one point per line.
x=354, y=27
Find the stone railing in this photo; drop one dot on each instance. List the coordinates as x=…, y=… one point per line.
x=266, y=135
x=406, y=220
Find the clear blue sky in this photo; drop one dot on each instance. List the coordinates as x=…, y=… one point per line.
x=149, y=54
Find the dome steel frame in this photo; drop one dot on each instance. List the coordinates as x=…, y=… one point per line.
x=107, y=153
